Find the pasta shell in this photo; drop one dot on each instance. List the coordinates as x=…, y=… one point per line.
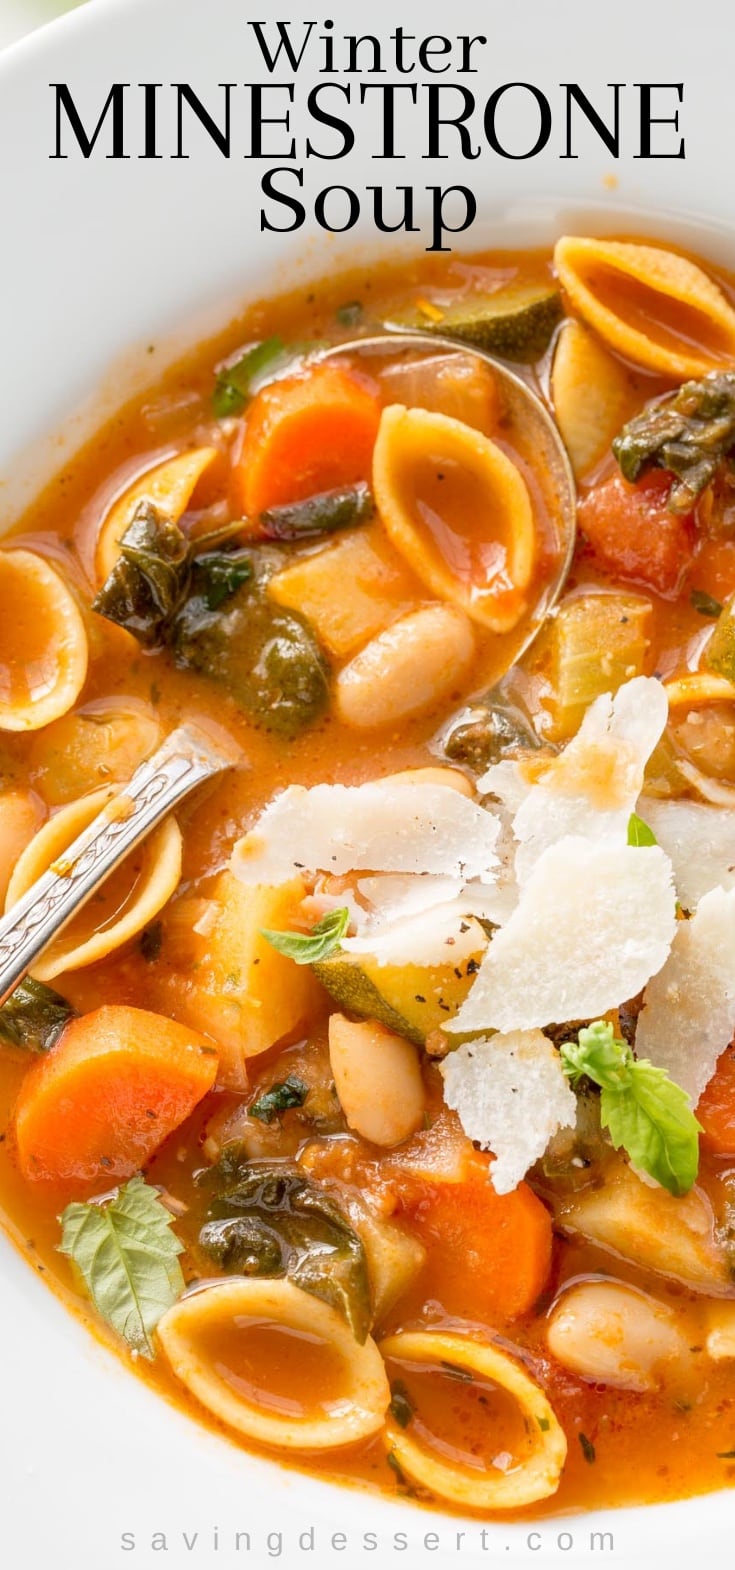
x=654, y=307
x=592, y=394
x=99, y=744
x=169, y=486
x=536, y=1473
x=458, y=510
x=125, y=903
x=21, y=814
x=214, y=1341
x=43, y=643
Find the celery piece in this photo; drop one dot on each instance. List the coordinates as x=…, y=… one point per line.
x=598, y=641
x=719, y=654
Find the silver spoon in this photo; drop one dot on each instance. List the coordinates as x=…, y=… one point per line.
x=187, y=758
x=525, y=410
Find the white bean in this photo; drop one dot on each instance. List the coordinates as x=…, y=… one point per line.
x=411, y=666
x=453, y=779
x=377, y=1076
x=614, y=1335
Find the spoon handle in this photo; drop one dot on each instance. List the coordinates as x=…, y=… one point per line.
x=187, y=758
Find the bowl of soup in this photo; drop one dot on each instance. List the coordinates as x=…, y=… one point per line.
x=370, y=1135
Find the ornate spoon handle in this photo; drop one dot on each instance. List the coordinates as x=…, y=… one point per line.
x=187, y=758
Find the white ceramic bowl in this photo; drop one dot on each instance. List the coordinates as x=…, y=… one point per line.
x=99, y=260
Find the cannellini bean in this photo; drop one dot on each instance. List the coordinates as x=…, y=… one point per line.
x=453, y=778
x=377, y=1076
x=614, y=1335
x=411, y=666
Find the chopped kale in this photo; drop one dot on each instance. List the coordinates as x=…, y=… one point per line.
x=689, y=433
x=34, y=1016
x=274, y=1221
x=281, y=1097
x=324, y=513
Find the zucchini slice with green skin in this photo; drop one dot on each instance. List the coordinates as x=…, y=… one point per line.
x=517, y=323
x=412, y=1000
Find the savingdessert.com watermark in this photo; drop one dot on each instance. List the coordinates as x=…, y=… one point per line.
x=319, y=1544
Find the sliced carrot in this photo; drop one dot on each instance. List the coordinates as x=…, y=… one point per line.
x=308, y=433
x=495, y=1248
x=115, y=1085
x=634, y=535
x=716, y=1107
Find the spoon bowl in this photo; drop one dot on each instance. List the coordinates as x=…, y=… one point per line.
x=520, y=408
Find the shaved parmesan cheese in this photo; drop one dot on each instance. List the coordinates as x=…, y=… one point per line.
x=439, y=936
x=700, y=842
x=376, y=827
x=511, y=1096
x=591, y=787
x=594, y=922
x=688, y=1018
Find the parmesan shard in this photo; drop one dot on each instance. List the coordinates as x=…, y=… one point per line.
x=594, y=922
x=590, y=788
x=374, y=827
x=442, y=935
x=698, y=839
x=688, y=1016
x=511, y=1095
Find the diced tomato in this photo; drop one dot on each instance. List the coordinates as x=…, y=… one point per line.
x=633, y=534
x=716, y=1109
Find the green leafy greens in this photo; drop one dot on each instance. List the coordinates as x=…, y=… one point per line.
x=690, y=433
x=159, y=572
x=281, y=1097
x=644, y=1111
x=127, y=1255
x=238, y=381
x=308, y=947
x=273, y=1221
x=324, y=513
x=34, y=1016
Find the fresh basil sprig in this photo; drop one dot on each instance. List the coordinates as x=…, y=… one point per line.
x=127, y=1255
x=308, y=947
x=645, y=1112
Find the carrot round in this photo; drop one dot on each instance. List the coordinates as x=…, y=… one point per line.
x=308, y=433
x=495, y=1248
x=115, y=1085
x=716, y=1107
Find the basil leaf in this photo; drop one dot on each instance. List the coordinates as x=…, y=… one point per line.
x=401, y=1406
x=237, y=382
x=285, y=1094
x=639, y=832
x=705, y=603
x=127, y=1255
x=646, y=1113
x=34, y=1016
x=308, y=947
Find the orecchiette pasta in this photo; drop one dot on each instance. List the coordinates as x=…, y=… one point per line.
x=459, y=511
x=129, y=899
x=169, y=486
x=522, y=1478
x=349, y=1396
x=43, y=643
x=654, y=307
